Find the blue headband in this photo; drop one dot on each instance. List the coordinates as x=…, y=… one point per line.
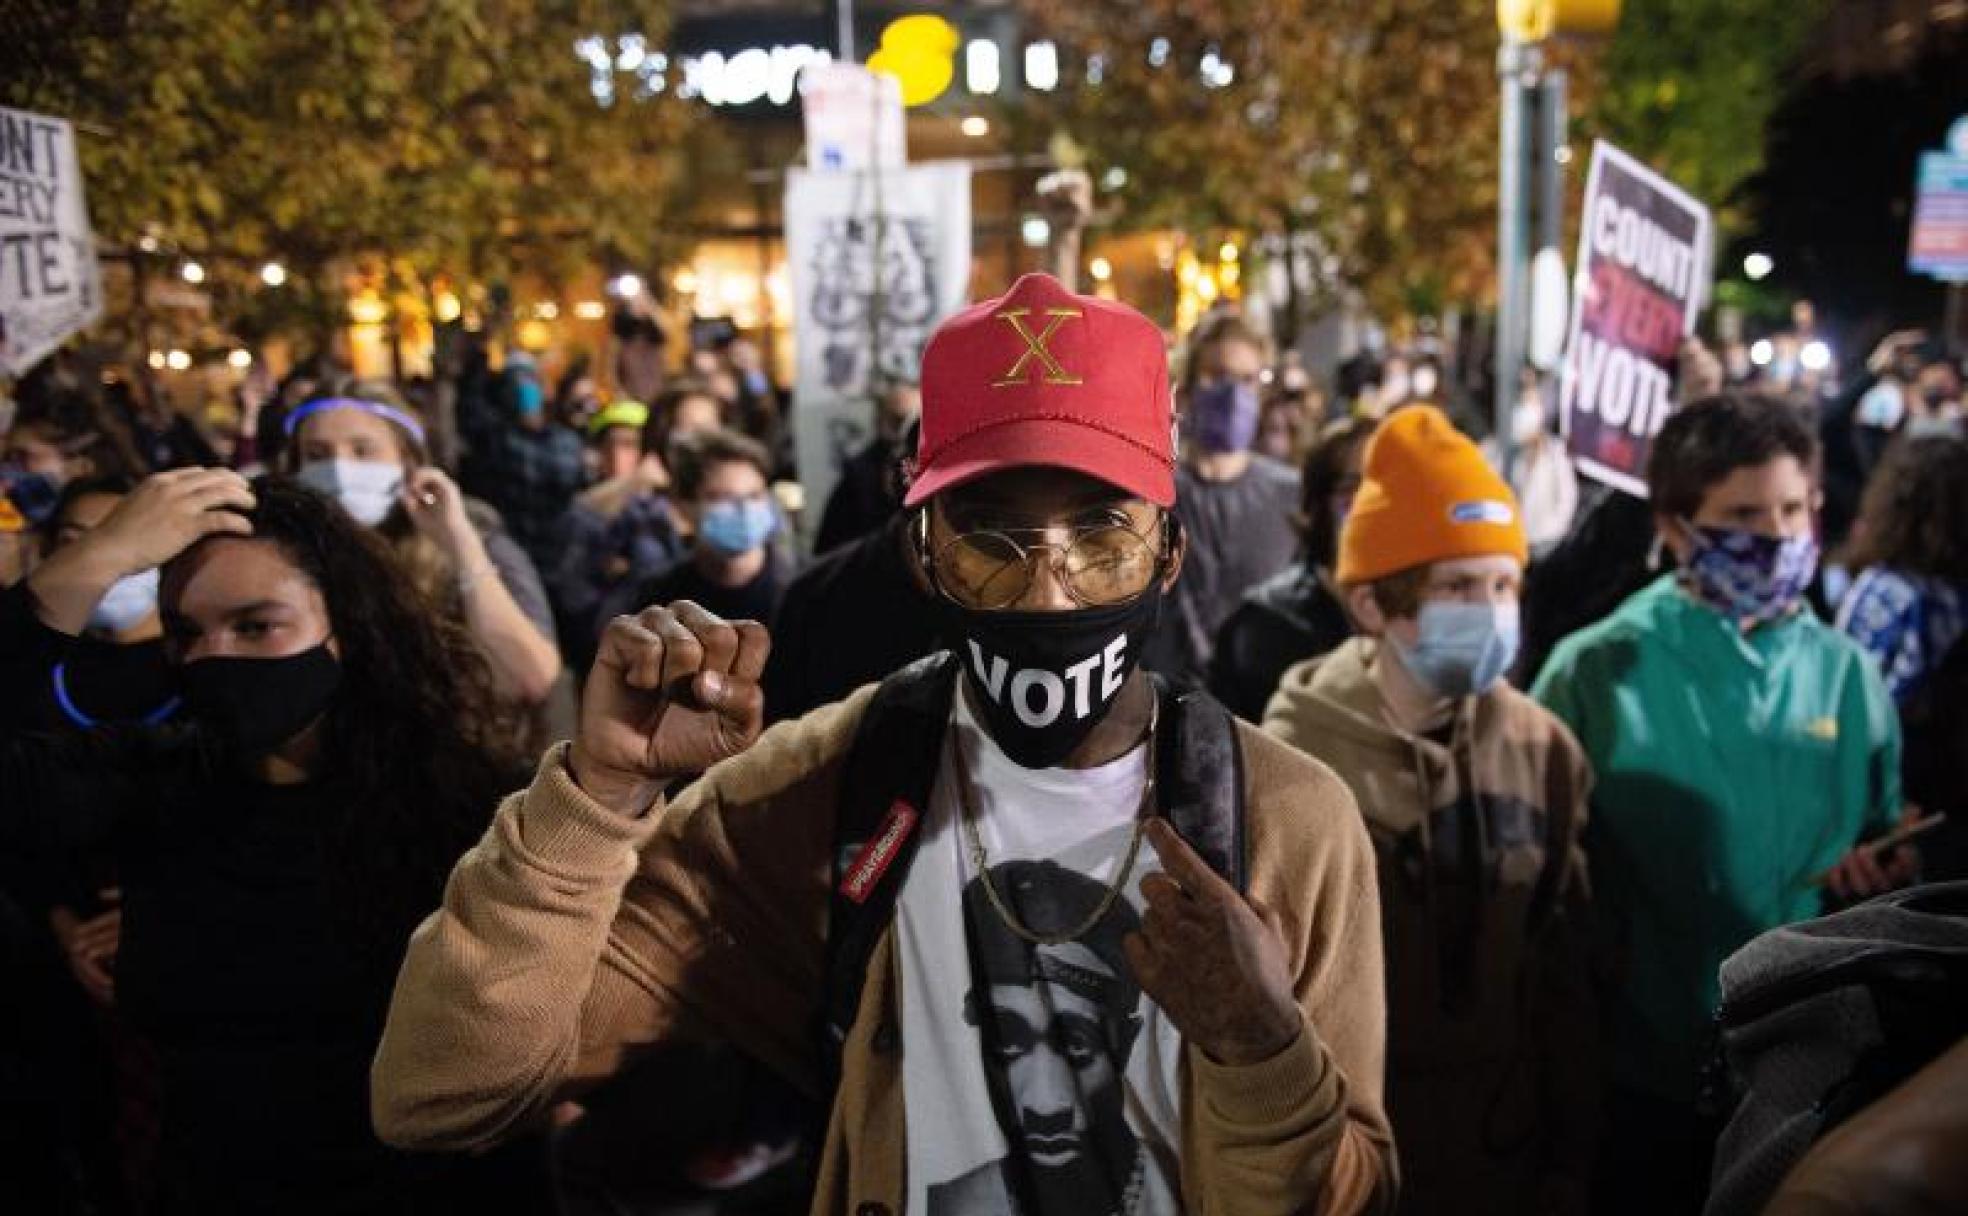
x=388, y=413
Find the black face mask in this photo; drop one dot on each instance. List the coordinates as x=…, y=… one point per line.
x=255, y=705
x=1043, y=680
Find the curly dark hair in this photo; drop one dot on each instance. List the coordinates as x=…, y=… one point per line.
x=1702, y=444
x=415, y=733
x=1911, y=518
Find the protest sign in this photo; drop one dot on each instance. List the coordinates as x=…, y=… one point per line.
x=878, y=260
x=49, y=283
x=1640, y=281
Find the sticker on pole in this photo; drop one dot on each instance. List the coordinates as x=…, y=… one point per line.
x=49, y=283
x=1643, y=269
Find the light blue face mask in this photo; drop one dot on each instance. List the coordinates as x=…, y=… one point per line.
x=1463, y=648
x=127, y=602
x=738, y=527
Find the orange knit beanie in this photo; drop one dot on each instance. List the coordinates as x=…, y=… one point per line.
x=1426, y=495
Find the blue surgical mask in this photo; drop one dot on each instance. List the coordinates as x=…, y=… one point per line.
x=127, y=602
x=367, y=489
x=528, y=397
x=738, y=527
x=1223, y=416
x=1463, y=648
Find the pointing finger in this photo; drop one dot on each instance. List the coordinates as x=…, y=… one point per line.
x=1180, y=862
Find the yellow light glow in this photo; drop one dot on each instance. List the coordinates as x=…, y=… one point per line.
x=919, y=50
x=448, y=306
x=686, y=281
x=1228, y=253
x=368, y=309
x=591, y=310
x=546, y=310
x=1101, y=269
x=533, y=335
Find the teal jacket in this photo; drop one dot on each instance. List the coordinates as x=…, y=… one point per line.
x=1731, y=769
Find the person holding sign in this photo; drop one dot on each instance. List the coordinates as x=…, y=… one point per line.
x=1741, y=747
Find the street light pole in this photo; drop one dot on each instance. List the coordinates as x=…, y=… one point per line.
x=844, y=29
x=1517, y=68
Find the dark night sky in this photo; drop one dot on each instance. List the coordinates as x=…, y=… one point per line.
x=1835, y=201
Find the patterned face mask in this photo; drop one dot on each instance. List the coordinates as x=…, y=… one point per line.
x=1747, y=576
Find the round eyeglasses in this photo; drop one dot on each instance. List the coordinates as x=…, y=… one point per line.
x=992, y=568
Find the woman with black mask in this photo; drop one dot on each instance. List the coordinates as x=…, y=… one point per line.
x=342, y=744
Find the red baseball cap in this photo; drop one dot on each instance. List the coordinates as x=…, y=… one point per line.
x=1040, y=376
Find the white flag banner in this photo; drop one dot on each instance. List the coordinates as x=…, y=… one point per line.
x=878, y=260
x=853, y=117
x=50, y=285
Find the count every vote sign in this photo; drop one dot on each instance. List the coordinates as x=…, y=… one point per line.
x=1643, y=271
x=50, y=286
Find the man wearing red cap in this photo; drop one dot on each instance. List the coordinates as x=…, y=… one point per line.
x=1023, y=1009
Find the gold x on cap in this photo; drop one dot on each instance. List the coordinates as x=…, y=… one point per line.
x=1037, y=347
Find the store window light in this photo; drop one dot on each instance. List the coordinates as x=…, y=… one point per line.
x=983, y=72
x=1042, y=66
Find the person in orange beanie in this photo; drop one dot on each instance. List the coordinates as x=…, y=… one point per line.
x=1475, y=797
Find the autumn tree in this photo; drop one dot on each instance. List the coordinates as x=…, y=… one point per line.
x=458, y=136
x=1368, y=123
x=1372, y=124
x=1690, y=85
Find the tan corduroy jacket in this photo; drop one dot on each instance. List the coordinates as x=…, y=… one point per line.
x=573, y=937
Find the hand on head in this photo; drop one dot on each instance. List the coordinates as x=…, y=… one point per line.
x=169, y=513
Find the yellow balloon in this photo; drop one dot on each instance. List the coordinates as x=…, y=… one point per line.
x=923, y=77
x=921, y=32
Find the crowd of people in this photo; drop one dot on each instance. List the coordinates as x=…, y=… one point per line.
x=1187, y=787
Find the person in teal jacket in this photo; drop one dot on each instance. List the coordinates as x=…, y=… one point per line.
x=1743, y=748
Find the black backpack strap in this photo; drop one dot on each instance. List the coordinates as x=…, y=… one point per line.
x=884, y=797
x=1200, y=779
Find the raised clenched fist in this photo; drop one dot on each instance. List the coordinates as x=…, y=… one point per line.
x=674, y=690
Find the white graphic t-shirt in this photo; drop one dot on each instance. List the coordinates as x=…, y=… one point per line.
x=1039, y=1080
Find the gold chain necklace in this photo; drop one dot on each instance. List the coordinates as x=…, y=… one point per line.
x=981, y=863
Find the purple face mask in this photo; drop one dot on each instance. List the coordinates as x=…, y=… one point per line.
x=1747, y=576
x=1223, y=416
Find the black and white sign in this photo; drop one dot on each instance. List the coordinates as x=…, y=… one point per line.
x=49, y=283
x=1642, y=276
x=878, y=260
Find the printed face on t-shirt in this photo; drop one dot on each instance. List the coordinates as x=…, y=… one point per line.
x=1053, y=1053
x=1060, y=1022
